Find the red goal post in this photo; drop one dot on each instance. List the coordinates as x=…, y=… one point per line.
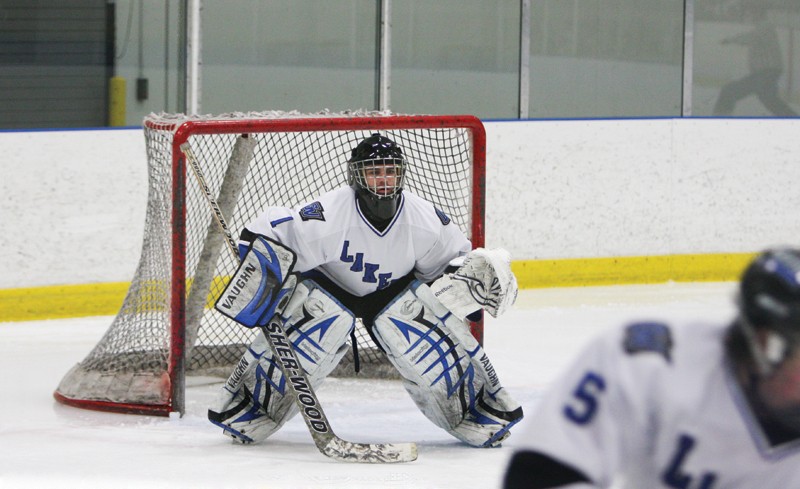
x=166, y=327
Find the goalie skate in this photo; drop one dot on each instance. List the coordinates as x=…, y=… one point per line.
x=489, y=418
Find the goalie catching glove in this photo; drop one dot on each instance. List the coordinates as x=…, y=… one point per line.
x=485, y=280
x=261, y=286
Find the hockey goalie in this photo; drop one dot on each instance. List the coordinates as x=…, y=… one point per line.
x=373, y=251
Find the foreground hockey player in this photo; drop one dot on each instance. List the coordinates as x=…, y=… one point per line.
x=691, y=406
x=373, y=251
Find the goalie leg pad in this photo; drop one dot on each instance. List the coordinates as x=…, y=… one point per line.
x=258, y=289
x=445, y=370
x=485, y=280
x=254, y=402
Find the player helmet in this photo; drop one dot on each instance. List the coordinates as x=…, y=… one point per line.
x=769, y=299
x=376, y=171
x=769, y=328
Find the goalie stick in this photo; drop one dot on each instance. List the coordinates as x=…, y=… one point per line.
x=299, y=385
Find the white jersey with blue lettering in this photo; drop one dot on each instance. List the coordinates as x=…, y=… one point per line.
x=332, y=235
x=652, y=406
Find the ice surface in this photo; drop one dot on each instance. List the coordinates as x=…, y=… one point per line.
x=46, y=444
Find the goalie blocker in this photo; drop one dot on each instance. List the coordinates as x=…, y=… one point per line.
x=259, y=288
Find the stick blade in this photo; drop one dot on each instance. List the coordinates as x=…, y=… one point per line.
x=370, y=453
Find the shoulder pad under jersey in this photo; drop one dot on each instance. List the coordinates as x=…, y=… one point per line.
x=651, y=337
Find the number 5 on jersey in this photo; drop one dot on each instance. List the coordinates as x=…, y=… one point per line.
x=583, y=407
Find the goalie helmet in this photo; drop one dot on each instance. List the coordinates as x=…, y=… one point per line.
x=769, y=300
x=376, y=171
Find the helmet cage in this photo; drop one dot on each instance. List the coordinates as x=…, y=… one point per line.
x=382, y=178
x=779, y=344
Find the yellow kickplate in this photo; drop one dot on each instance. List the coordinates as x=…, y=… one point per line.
x=105, y=299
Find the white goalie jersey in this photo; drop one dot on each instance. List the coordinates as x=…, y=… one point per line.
x=659, y=405
x=332, y=235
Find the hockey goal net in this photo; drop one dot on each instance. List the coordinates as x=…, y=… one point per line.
x=167, y=328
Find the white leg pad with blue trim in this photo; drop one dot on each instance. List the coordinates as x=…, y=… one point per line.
x=444, y=368
x=254, y=402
